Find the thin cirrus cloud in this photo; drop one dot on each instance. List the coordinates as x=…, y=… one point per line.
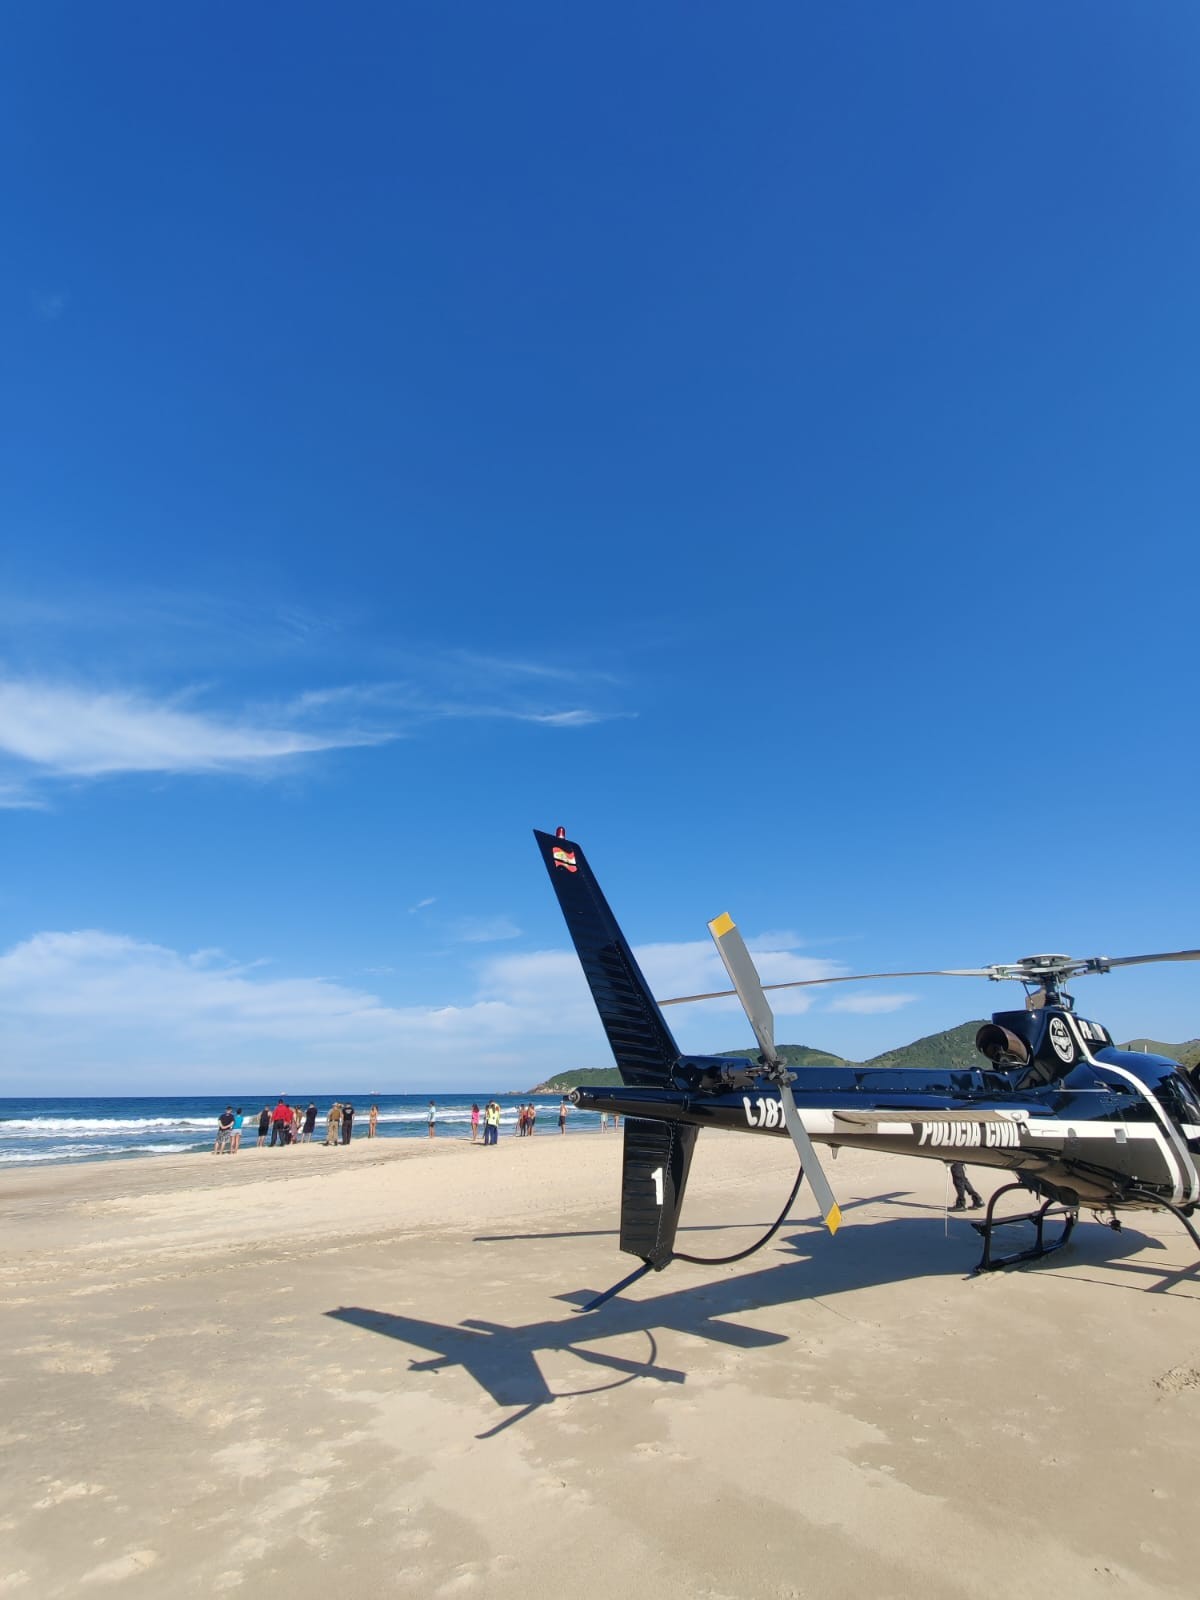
x=67, y=731
x=413, y=703
x=870, y=1005
x=57, y=730
x=485, y=930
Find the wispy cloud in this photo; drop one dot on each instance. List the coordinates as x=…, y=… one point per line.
x=870, y=1005
x=552, y=672
x=14, y=798
x=485, y=930
x=577, y=718
x=49, y=304
x=76, y=732
x=421, y=905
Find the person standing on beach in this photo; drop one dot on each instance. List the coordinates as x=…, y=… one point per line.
x=333, y=1123
x=962, y=1188
x=264, y=1125
x=372, y=1121
x=224, y=1131
x=474, y=1122
x=281, y=1121
x=239, y=1123
x=310, y=1121
x=563, y=1108
x=532, y=1119
x=432, y=1120
x=347, y=1121
x=491, y=1132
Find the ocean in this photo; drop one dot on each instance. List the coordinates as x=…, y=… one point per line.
x=110, y=1129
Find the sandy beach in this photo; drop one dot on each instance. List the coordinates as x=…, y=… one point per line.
x=316, y=1372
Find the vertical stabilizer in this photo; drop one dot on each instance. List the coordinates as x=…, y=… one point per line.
x=641, y=1041
x=654, y=1175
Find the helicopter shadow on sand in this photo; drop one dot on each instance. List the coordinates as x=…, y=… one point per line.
x=691, y=1230
x=502, y=1359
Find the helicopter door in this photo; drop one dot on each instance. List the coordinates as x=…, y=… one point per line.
x=1181, y=1103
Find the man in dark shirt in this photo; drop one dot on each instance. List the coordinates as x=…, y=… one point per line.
x=347, y=1121
x=310, y=1121
x=224, y=1140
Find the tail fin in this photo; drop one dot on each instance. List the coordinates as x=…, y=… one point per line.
x=657, y=1155
x=653, y=1178
x=641, y=1041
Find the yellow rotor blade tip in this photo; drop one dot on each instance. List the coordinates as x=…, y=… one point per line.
x=720, y=926
x=834, y=1220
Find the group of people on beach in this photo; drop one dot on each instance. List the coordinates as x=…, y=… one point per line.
x=292, y=1124
x=488, y=1119
x=289, y=1124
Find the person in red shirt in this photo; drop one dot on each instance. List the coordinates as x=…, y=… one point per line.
x=281, y=1121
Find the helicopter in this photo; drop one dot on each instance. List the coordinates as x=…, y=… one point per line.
x=1079, y=1122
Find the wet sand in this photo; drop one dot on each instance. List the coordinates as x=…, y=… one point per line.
x=318, y=1372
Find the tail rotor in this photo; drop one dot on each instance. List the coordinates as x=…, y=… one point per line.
x=748, y=986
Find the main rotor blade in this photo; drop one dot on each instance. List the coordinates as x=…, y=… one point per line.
x=1136, y=961
x=749, y=989
x=853, y=977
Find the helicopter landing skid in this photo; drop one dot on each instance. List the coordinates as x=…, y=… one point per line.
x=1052, y=1210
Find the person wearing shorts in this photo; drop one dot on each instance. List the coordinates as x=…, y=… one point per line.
x=224, y=1139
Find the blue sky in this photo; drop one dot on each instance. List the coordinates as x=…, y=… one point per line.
x=761, y=439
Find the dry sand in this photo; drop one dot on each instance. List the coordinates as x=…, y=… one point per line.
x=318, y=1372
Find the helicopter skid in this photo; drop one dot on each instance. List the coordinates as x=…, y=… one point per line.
x=1050, y=1210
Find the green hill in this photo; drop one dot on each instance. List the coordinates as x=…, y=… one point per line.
x=951, y=1051
x=594, y=1077
x=1187, y=1054
x=796, y=1055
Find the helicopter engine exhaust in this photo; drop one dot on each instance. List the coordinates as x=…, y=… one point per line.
x=996, y=1042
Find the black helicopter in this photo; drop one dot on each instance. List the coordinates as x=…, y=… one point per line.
x=1083, y=1123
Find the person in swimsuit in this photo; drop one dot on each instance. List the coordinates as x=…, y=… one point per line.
x=474, y=1122
x=372, y=1120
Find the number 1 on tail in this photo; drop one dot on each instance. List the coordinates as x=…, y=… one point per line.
x=657, y=1175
